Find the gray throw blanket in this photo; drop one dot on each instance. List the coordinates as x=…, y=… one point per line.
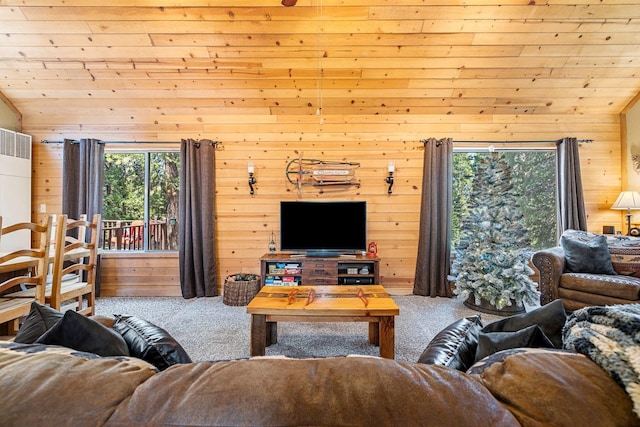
x=610, y=336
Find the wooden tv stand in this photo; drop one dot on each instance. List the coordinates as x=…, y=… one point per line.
x=283, y=269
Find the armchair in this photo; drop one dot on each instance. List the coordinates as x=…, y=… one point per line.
x=560, y=279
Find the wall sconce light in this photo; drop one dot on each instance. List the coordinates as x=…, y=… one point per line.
x=252, y=178
x=389, y=178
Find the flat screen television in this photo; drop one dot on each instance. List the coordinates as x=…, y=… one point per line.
x=329, y=228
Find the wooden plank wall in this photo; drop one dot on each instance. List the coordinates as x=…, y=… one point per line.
x=142, y=274
x=244, y=223
x=252, y=74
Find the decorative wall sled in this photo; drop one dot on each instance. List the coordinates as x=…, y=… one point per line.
x=317, y=173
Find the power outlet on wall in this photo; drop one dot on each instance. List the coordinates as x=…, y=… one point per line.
x=43, y=208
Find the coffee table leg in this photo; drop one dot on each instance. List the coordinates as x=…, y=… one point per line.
x=387, y=337
x=374, y=333
x=272, y=333
x=258, y=334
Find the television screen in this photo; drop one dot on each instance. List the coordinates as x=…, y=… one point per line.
x=323, y=228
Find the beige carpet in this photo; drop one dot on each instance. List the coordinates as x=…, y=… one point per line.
x=210, y=330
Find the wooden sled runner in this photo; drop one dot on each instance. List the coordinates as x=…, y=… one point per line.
x=317, y=173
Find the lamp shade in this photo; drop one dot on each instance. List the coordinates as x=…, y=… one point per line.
x=627, y=200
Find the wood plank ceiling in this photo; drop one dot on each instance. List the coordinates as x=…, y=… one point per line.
x=155, y=62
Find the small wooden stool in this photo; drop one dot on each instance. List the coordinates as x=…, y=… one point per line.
x=240, y=292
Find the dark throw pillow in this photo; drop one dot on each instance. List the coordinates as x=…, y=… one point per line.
x=149, y=342
x=454, y=346
x=493, y=342
x=81, y=333
x=550, y=318
x=40, y=319
x=587, y=256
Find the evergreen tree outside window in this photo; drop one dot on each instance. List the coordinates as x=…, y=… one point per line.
x=491, y=264
x=141, y=192
x=533, y=175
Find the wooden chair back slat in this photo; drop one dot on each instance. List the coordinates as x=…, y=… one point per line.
x=65, y=263
x=26, y=266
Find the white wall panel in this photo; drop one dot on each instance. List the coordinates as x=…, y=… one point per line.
x=15, y=186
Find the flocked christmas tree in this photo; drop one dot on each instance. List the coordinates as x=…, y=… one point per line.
x=491, y=259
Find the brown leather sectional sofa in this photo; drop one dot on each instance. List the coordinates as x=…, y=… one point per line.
x=45, y=385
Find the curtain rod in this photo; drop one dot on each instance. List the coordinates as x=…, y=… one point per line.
x=73, y=141
x=555, y=141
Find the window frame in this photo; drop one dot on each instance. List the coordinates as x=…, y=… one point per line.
x=147, y=152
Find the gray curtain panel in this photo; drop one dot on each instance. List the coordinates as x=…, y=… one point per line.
x=432, y=266
x=82, y=177
x=196, y=215
x=83, y=183
x=571, y=211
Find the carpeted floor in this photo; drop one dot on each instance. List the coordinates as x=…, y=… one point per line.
x=210, y=330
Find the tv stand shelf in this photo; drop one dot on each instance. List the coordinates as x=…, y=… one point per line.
x=284, y=269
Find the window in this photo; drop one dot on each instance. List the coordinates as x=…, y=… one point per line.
x=141, y=191
x=533, y=173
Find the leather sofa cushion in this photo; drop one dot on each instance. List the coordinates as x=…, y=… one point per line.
x=618, y=286
x=454, y=346
x=354, y=391
x=555, y=388
x=150, y=342
x=56, y=386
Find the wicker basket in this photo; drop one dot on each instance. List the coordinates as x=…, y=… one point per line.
x=239, y=292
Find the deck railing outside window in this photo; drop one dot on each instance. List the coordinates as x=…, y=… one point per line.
x=128, y=235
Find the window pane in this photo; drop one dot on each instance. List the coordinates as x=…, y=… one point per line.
x=141, y=200
x=533, y=176
x=124, y=186
x=164, y=185
x=123, y=211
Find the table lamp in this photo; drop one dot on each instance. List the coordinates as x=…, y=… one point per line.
x=627, y=200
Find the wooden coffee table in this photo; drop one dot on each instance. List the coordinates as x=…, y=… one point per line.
x=362, y=303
